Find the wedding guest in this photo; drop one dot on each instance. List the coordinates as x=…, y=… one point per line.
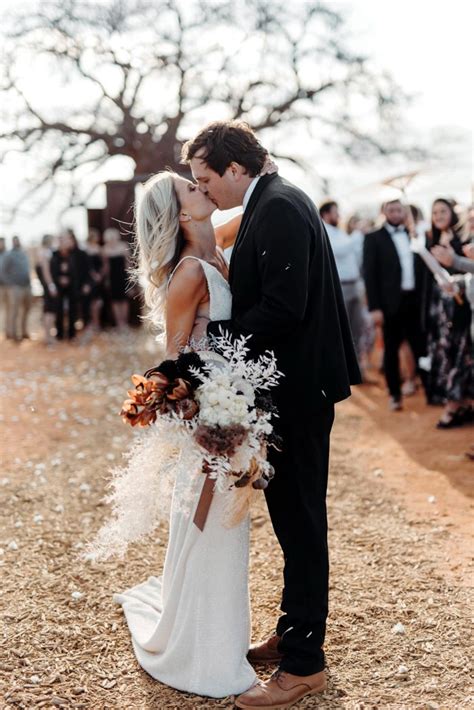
x=418, y=221
x=468, y=230
x=3, y=286
x=357, y=227
x=450, y=379
x=96, y=269
x=461, y=262
x=393, y=279
x=116, y=258
x=43, y=271
x=345, y=254
x=64, y=273
x=81, y=266
x=16, y=269
x=416, y=227
x=464, y=265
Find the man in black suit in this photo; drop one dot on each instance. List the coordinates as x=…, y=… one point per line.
x=287, y=296
x=64, y=272
x=393, y=276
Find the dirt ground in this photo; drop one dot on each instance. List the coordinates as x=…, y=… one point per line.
x=400, y=506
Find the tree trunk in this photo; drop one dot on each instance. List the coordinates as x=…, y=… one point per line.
x=153, y=157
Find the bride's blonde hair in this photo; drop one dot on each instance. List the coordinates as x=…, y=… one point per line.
x=158, y=240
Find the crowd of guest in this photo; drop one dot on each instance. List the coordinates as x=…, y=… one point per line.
x=83, y=287
x=423, y=321
x=423, y=313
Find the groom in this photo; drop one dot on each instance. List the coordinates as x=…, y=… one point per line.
x=287, y=295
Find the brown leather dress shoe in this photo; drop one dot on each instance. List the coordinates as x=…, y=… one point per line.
x=281, y=690
x=266, y=651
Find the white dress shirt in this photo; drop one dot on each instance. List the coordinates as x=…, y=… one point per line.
x=345, y=253
x=407, y=260
x=249, y=191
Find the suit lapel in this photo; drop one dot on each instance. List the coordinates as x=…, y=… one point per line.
x=259, y=188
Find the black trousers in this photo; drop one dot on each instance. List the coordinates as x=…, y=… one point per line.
x=405, y=324
x=69, y=297
x=296, y=500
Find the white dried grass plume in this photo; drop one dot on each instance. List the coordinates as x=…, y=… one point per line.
x=142, y=489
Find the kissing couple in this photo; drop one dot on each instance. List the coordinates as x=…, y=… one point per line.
x=191, y=627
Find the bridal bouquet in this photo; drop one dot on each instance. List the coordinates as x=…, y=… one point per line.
x=209, y=413
x=220, y=401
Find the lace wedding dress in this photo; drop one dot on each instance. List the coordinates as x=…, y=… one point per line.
x=190, y=628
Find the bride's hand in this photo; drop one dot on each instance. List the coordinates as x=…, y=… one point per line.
x=269, y=167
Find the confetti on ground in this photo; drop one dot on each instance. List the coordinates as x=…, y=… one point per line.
x=397, y=632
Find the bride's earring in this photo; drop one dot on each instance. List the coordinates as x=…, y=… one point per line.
x=185, y=217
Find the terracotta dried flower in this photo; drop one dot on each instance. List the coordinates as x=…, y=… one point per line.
x=157, y=394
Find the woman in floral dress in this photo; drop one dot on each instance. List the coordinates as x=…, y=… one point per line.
x=450, y=380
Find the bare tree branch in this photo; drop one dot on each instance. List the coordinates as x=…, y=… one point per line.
x=144, y=70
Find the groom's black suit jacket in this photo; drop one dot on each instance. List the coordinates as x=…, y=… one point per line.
x=286, y=293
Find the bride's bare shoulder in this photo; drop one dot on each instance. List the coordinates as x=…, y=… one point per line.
x=187, y=280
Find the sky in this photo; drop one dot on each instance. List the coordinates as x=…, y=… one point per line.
x=427, y=47
x=428, y=50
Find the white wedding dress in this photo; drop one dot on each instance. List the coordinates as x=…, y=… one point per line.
x=190, y=628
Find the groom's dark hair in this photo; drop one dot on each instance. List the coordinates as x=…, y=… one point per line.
x=226, y=142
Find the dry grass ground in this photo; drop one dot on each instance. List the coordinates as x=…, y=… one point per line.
x=65, y=643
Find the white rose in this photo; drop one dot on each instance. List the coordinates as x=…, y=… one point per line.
x=223, y=399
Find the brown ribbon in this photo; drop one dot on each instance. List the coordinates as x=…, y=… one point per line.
x=205, y=500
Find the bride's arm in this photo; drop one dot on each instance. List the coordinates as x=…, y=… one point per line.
x=226, y=233
x=187, y=290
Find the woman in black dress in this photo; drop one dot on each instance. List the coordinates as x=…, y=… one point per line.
x=116, y=257
x=67, y=281
x=450, y=380
x=96, y=267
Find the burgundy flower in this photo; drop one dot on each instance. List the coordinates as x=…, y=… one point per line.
x=220, y=441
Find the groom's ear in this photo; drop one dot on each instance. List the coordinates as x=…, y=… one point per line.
x=236, y=171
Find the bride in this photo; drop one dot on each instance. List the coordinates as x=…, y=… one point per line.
x=190, y=628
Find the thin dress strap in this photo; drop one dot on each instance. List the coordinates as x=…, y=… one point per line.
x=219, y=293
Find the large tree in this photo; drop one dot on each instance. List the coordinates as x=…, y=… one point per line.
x=82, y=82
